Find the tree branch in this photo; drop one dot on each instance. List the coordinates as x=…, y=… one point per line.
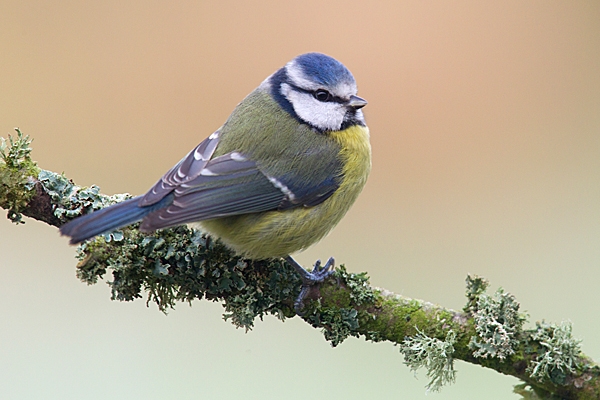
x=180, y=264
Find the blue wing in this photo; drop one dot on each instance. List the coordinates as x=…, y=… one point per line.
x=201, y=187
x=136, y=209
x=233, y=184
x=185, y=170
x=227, y=185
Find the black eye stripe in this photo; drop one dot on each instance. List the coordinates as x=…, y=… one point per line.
x=332, y=98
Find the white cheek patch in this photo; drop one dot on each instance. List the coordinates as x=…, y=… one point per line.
x=323, y=115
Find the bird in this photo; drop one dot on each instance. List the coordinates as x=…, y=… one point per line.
x=274, y=179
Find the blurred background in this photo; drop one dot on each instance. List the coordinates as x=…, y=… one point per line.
x=485, y=124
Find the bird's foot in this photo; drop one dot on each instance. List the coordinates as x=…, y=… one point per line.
x=317, y=275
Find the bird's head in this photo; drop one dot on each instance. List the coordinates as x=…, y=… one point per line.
x=318, y=90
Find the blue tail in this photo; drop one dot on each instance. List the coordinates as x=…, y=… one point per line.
x=108, y=219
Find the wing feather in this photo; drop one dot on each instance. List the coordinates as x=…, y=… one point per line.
x=185, y=170
x=203, y=188
x=227, y=185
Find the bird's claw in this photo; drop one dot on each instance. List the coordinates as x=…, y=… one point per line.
x=317, y=275
x=320, y=273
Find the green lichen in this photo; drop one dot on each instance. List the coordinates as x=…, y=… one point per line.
x=17, y=171
x=559, y=354
x=180, y=264
x=339, y=317
x=498, y=323
x=360, y=290
x=15, y=152
x=476, y=286
x=269, y=292
x=435, y=355
x=70, y=200
x=337, y=323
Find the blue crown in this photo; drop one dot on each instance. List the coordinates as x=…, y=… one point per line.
x=323, y=69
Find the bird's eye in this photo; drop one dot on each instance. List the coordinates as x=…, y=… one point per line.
x=322, y=95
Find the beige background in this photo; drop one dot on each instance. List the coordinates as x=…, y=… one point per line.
x=486, y=139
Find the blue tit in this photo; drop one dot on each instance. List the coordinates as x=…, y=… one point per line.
x=274, y=179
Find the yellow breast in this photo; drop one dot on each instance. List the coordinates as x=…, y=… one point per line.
x=280, y=233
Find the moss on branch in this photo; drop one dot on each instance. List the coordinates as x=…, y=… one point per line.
x=174, y=265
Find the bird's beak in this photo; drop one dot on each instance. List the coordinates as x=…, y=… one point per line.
x=356, y=102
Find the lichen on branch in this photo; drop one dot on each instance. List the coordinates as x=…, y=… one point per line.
x=17, y=173
x=182, y=265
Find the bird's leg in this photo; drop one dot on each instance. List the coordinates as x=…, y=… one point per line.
x=318, y=275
